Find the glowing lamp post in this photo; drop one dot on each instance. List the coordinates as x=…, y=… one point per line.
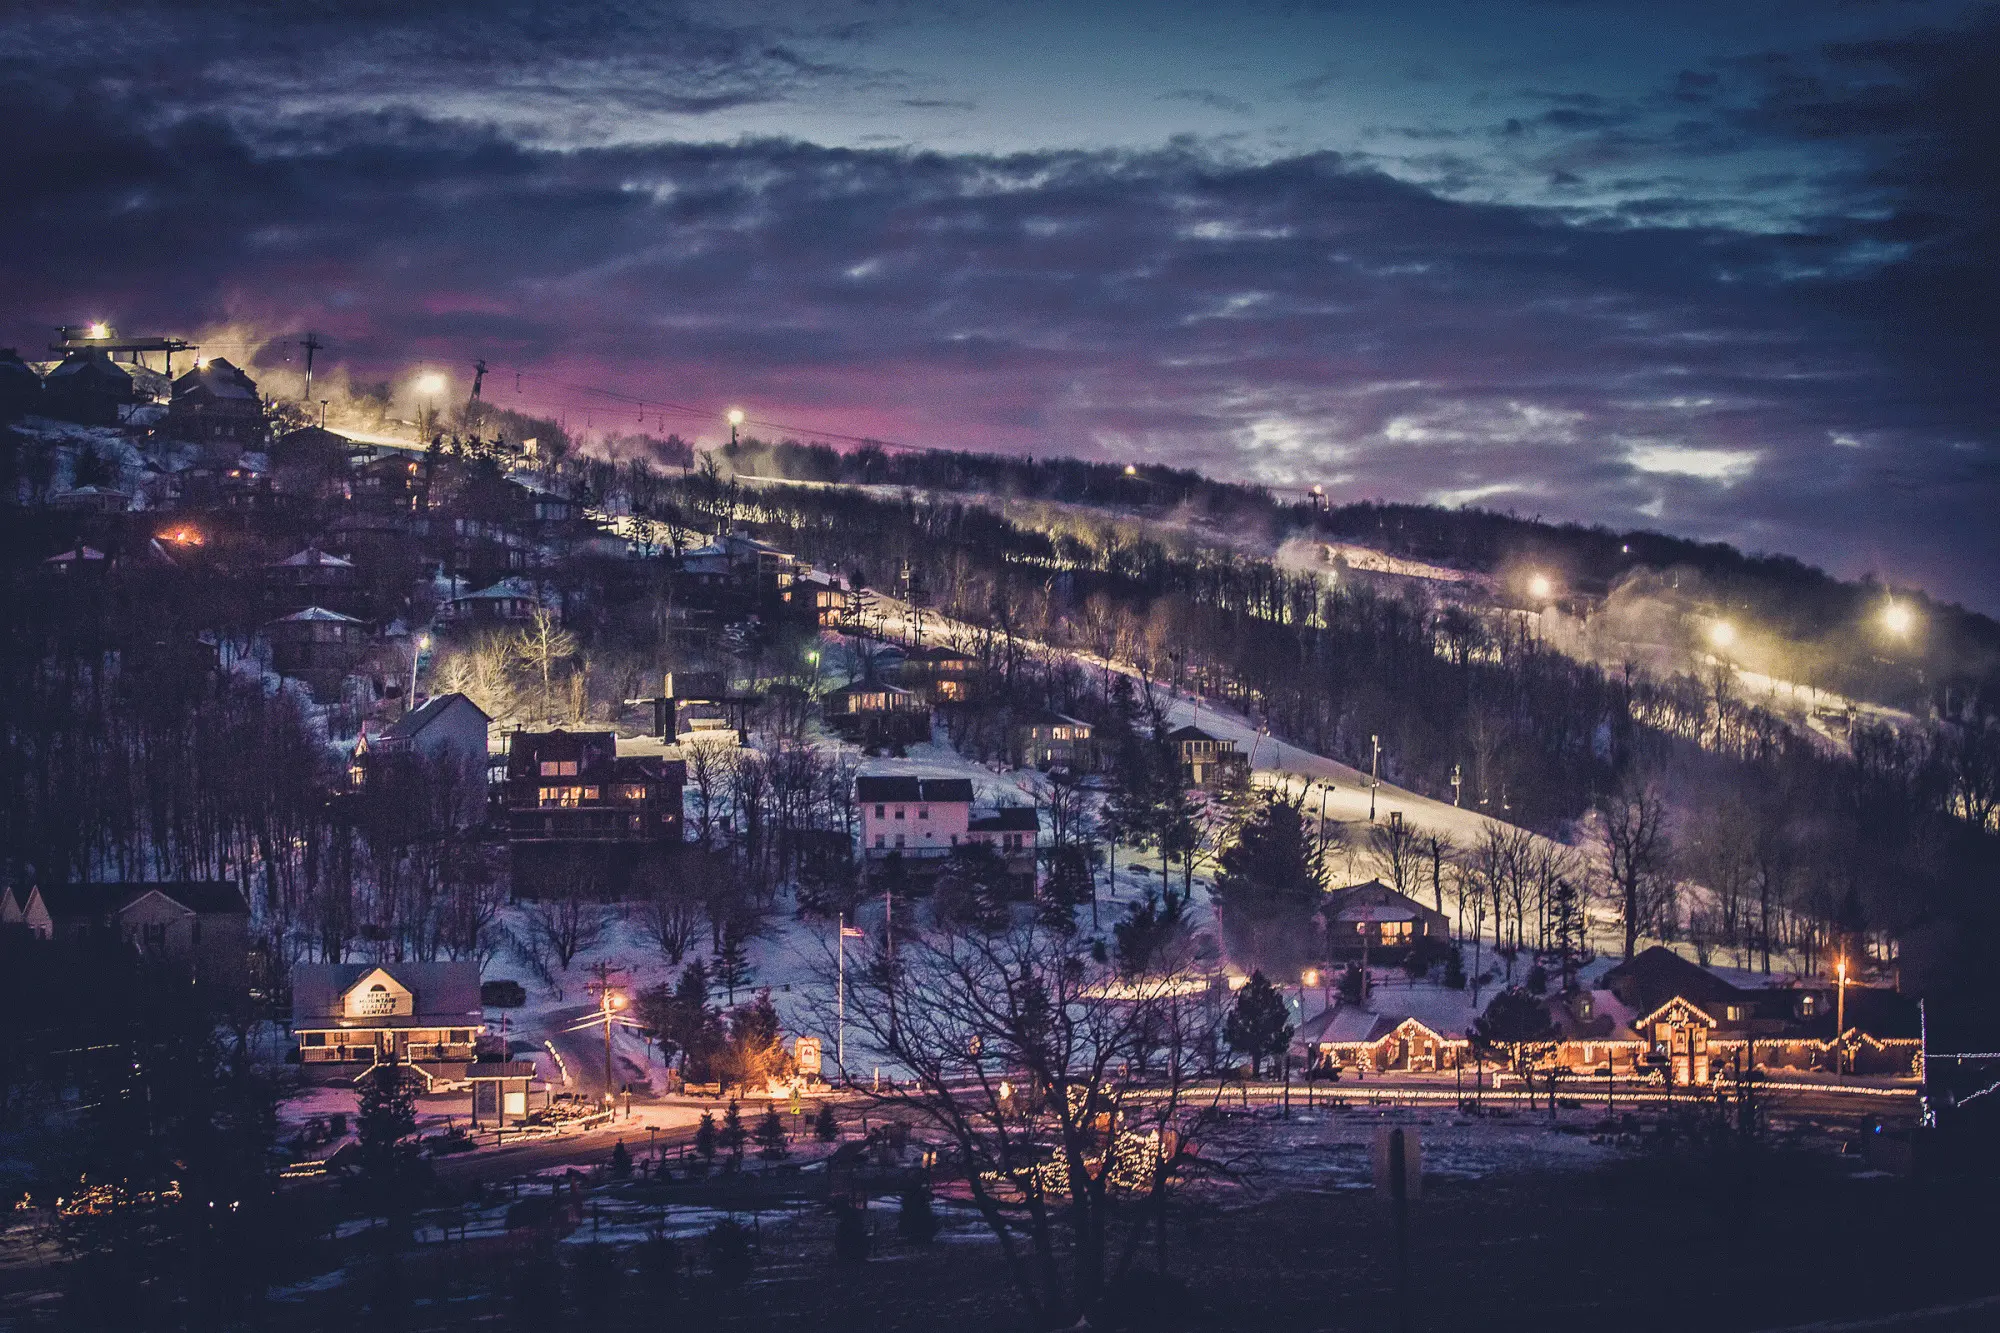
x=429, y=387
x=735, y=420
x=423, y=645
x=1840, y=1020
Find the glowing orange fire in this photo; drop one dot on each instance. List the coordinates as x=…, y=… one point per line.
x=183, y=537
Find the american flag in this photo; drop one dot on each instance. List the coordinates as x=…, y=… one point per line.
x=852, y=933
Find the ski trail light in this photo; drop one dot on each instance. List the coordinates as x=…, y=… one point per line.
x=1721, y=633
x=1898, y=619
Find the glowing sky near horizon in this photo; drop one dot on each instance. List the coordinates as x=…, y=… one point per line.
x=1723, y=269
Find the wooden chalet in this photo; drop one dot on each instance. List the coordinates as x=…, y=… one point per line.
x=1208, y=761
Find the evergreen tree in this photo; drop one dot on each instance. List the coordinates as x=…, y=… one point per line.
x=1267, y=886
x=1259, y=1025
x=1515, y=1022
x=732, y=961
x=729, y=1257
x=916, y=1220
x=387, y=1119
x=850, y=1235
x=734, y=1135
x=771, y=1134
x=825, y=1128
x=705, y=1137
x=621, y=1161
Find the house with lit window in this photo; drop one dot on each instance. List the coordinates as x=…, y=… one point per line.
x=1375, y=922
x=573, y=786
x=1048, y=740
x=217, y=405
x=875, y=713
x=916, y=818
x=349, y=1017
x=1694, y=1021
x=938, y=675
x=1408, y=1029
x=1208, y=761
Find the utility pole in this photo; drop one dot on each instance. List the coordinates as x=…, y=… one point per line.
x=1374, y=773
x=478, y=376
x=312, y=344
x=1840, y=1023
x=609, y=1006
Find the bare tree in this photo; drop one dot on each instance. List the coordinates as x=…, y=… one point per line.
x=672, y=919
x=557, y=927
x=1397, y=851
x=1638, y=856
x=711, y=769
x=542, y=646
x=1015, y=1042
x=1438, y=851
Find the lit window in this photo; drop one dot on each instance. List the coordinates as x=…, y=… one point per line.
x=635, y=791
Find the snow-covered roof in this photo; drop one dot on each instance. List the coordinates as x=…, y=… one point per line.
x=505, y=588
x=319, y=613
x=312, y=555
x=1448, y=1013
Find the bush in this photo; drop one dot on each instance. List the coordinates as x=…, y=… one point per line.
x=917, y=1222
x=850, y=1236
x=728, y=1246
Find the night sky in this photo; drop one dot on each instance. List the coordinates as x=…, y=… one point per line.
x=1724, y=269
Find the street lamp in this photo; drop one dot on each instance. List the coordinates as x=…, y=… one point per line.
x=429, y=386
x=416, y=655
x=1374, y=774
x=735, y=420
x=1840, y=1021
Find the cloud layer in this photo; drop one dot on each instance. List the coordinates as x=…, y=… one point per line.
x=418, y=192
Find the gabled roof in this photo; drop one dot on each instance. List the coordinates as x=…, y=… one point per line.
x=318, y=613
x=931, y=791
x=203, y=897
x=74, y=555
x=409, y=724
x=504, y=589
x=443, y=991
x=312, y=557
x=1377, y=900
x=220, y=378
x=1658, y=974
x=1181, y=734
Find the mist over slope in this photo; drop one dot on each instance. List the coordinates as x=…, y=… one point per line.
x=1629, y=601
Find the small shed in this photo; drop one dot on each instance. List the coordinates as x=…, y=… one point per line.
x=505, y=1092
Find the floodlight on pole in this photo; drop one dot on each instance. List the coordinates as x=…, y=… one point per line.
x=1540, y=588
x=1898, y=619
x=1721, y=633
x=735, y=420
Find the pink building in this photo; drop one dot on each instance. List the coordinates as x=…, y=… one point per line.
x=918, y=817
